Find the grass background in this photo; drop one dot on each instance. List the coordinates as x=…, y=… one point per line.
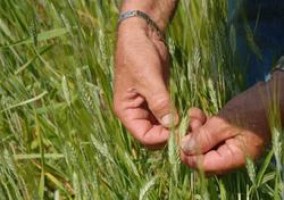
x=59, y=137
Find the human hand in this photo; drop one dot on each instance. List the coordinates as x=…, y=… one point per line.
x=222, y=143
x=141, y=98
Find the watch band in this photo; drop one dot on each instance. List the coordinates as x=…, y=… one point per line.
x=144, y=16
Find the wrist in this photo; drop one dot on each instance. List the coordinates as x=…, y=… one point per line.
x=276, y=84
x=133, y=24
x=160, y=11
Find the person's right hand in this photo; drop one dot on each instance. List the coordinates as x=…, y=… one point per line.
x=141, y=97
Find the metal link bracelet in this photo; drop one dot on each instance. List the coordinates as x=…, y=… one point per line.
x=144, y=16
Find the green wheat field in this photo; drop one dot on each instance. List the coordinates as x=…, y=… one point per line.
x=59, y=136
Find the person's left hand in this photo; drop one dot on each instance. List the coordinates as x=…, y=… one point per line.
x=222, y=143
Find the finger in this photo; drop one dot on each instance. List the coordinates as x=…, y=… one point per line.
x=209, y=136
x=161, y=107
x=227, y=157
x=139, y=121
x=197, y=118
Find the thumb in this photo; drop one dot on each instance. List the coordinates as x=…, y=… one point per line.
x=161, y=107
x=209, y=136
x=197, y=118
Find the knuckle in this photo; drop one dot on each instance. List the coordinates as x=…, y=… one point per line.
x=195, y=112
x=159, y=103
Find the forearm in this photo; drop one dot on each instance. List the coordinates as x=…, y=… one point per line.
x=160, y=11
x=253, y=108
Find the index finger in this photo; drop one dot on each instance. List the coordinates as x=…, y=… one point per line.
x=229, y=156
x=144, y=127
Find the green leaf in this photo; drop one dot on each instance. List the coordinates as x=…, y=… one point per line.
x=43, y=36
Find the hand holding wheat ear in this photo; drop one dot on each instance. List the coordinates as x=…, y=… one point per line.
x=241, y=130
x=141, y=97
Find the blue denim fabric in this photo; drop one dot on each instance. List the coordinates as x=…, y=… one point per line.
x=266, y=20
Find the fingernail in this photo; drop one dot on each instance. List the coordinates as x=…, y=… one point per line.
x=167, y=120
x=188, y=145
